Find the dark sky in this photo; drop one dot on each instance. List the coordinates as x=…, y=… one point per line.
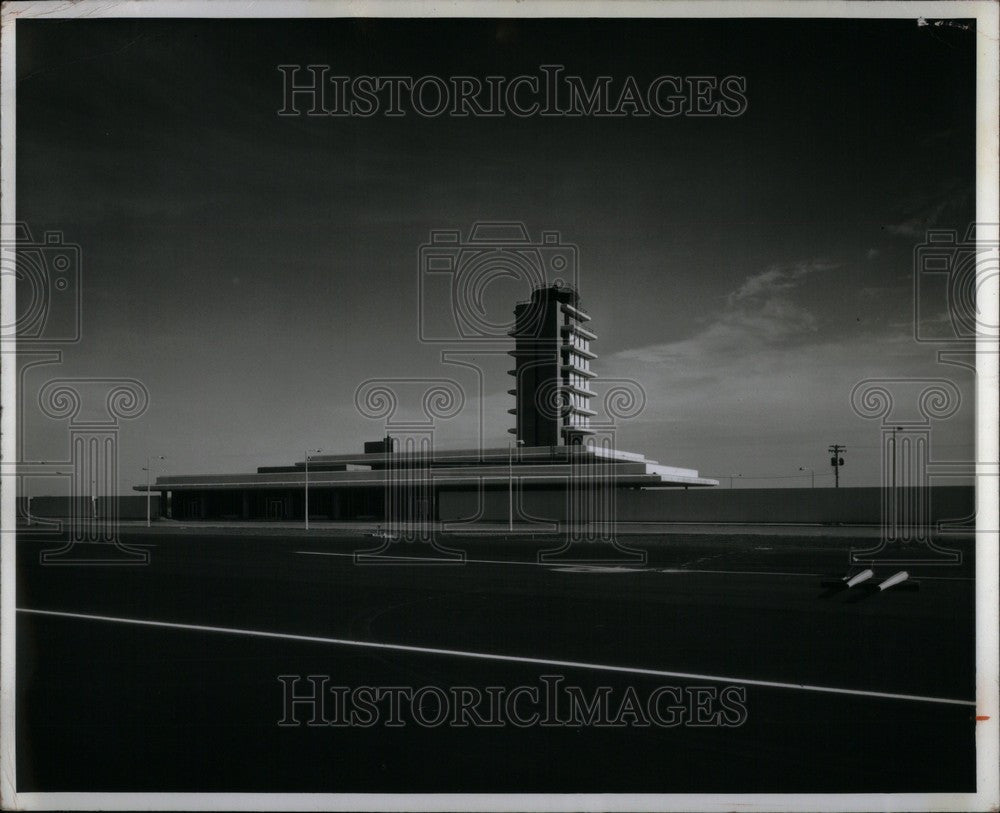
x=252, y=270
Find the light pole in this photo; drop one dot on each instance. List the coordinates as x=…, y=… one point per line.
x=895, y=429
x=812, y=475
x=308, y=452
x=731, y=476
x=510, y=484
x=26, y=495
x=895, y=494
x=147, y=470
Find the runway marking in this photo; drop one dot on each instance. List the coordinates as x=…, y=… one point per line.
x=565, y=565
x=739, y=572
x=554, y=565
x=489, y=656
x=598, y=569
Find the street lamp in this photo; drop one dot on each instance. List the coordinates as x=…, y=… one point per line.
x=895, y=494
x=510, y=484
x=731, y=476
x=26, y=495
x=308, y=452
x=147, y=470
x=812, y=475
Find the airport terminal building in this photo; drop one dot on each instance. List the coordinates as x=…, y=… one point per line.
x=557, y=467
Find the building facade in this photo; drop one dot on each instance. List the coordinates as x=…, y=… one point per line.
x=552, y=471
x=386, y=485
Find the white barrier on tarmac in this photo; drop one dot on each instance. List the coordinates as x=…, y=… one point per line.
x=863, y=576
x=896, y=578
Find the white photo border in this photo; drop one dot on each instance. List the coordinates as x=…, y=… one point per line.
x=987, y=405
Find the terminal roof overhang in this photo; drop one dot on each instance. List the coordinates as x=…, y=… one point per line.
x=546, y=466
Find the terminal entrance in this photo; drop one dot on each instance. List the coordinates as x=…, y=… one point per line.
x=275, y=509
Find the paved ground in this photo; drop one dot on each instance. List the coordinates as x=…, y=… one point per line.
x=856, y=690
x=348, y=528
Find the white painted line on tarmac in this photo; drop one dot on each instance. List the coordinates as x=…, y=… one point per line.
x=738, y=572
x=427, y=558
x=566, y=565
x=488, y=656
x=598, y=569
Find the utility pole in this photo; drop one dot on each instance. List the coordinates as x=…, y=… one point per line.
x=895, y=493
x=148, y=476
x=836, y=461
x=510, y=484
x=308, y=452
x=26, y=495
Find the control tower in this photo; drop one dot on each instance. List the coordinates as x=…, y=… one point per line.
x=552, y=373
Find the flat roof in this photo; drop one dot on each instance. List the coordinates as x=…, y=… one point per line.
x=540, y=466
x=520, y=454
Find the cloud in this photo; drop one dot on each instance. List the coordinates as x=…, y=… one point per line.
x=777, y=279
x=760, y=375
x=920, y=215
x=753, y=333
x=761, y=311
